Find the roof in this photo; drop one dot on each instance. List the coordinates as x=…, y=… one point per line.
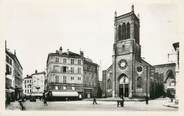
x=127, y=15
x=164, y=65
x=38, y=73
x=14, y=57
x=28, y=77
x=68, y=54
x=146, y=62
x=86, y=60
x=109, y=67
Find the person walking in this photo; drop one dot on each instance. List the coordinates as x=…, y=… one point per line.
x=45, y=98
x=147, y=99
x=122, y=102
x=94, y=100
x=20, y=103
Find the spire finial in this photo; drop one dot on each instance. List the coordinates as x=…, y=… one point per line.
x=138, y=15
x=132, y=8
x=115, y=14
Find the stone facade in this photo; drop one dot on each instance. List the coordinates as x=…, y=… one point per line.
x=90, y=78
x=13, y=75
x=38, y=84
x=27, y=85
x=167, y=74
x=129, y=75
x=71, y=72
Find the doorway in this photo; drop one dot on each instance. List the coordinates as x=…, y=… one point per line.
x=123, y=86
x=123, y=90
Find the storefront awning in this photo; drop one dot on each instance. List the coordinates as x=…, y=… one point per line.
x=10, y=90
x=37, y=94
x=64, y=94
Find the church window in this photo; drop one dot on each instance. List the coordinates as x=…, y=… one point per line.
x=128, y=30
x=139, y=82
x=123, y=31
x=119, y=32
x=109, y=84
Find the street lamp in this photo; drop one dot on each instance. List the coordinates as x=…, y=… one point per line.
x=147, y=98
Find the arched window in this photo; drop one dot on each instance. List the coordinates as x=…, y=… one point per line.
x=123, y=31
x=119, y=32
x=109, y=84
x=128, y=30
x=139, y=82
x=123, y=79
x=170, y=79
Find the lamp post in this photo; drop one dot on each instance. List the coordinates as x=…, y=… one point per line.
x=146, y=68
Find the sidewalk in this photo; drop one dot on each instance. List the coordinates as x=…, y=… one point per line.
x=168, y=103
x=115, y=99
x=13, y=106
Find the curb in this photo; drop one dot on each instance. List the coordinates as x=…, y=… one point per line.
x=171, y=106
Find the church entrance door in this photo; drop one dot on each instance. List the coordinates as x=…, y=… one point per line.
x=123, y=86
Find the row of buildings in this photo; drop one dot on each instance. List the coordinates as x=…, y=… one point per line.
x=34, y=84
x=13, y=76
x=68, y=75
x=130, y=75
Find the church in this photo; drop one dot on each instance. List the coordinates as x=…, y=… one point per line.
x=129, y=75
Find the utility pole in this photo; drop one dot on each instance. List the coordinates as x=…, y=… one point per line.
x=147, y=85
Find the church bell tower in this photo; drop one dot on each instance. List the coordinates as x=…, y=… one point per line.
x=126, y=51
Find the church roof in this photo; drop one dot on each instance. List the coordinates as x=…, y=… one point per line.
x=165, y=65
x=127, y=15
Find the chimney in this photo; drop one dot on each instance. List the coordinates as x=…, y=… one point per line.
x=36, y=71
x=60, y=50
x=68, y=51
x=5, y=44
x=132, y=8
x=27, y=75
x=57, y=51
x=82, y=53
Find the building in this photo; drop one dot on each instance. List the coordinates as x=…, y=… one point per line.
x=90, y=79
x=177, y=61
x=38, y=84
x=10, y=80
x=13, y=76
x=130, y=75
x=71, y=75
x=27, y=85
x=107, y=81
x=166, y=72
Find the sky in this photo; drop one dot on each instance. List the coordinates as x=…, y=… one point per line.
x=35, y=28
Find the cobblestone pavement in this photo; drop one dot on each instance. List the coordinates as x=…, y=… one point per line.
x=154, y=105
